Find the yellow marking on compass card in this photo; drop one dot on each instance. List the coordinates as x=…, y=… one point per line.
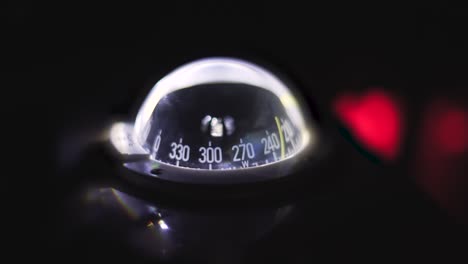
x=281, y=136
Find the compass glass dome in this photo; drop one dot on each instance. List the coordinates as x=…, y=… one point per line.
x=219, y=114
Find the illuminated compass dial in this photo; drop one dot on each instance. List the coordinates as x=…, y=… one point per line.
x=217, y=120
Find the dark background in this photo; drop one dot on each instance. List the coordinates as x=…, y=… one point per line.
x=67, y=69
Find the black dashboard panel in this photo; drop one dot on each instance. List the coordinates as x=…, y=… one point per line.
x=70, y=71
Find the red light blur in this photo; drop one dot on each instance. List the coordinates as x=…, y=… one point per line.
x=450, y=128
x=441, y=156
x=374, y=119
